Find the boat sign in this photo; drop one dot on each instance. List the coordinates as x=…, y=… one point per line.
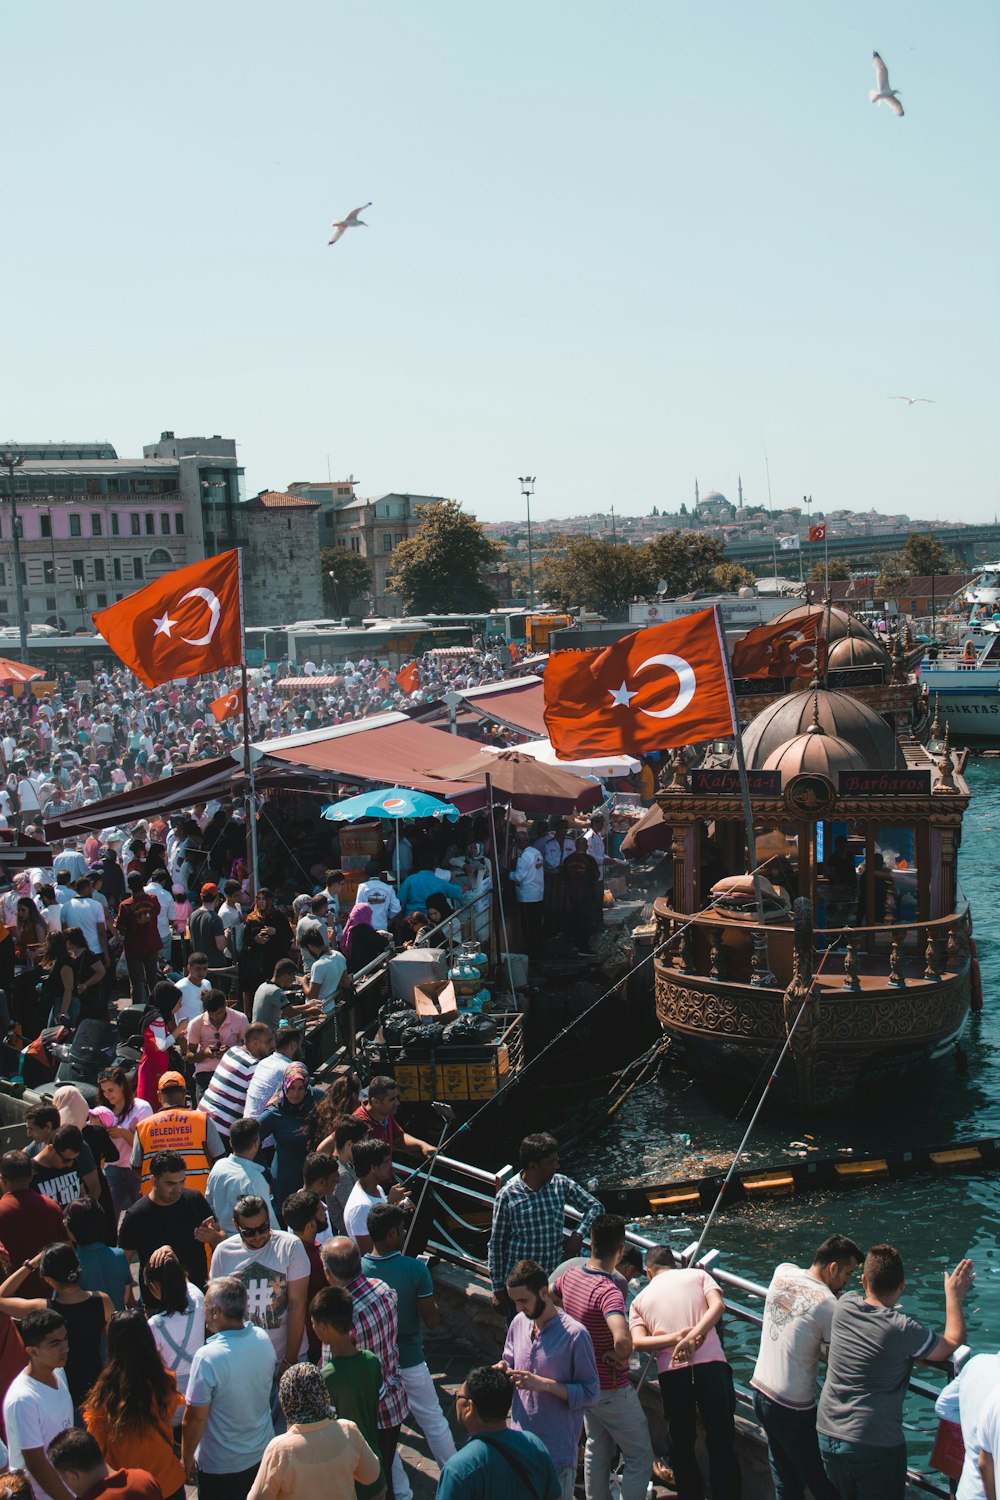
x=885, y=783
x=719, y=781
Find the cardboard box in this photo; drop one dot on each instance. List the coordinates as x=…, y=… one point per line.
x=435, y=997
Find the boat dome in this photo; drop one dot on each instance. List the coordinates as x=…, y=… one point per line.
x=837, y=715
x=857, y=651
x=837, y=623
x=816, y=751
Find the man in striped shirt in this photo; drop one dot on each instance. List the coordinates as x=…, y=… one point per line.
x=224, y=1099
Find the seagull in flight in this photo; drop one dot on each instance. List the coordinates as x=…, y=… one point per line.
x=882, y=93
x=912, y=400
x=340, y=226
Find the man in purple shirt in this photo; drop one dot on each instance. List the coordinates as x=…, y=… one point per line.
x=550, y=1359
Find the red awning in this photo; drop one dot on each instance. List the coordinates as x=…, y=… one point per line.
x=392, y=751
x=518, y=704
x=194, y=783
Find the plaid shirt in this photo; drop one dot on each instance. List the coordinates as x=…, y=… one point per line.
x=376, y=1327
x=528, y=1225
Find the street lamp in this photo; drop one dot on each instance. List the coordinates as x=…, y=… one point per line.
x=527, y=483
x=10, y=461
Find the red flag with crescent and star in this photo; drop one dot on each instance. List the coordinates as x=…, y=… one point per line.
x=408, y=678
x=785, y=648
x=228, y=707
x=655, y=689
x=817, y=533
x=184, y=624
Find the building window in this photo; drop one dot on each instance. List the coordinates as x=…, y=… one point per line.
x=102, y=601
x=115, y=524
x=386, y=541
x=19, y=526
x=74, y=526
x=78, y=569
x=4, y=606
x=24, y=575
x=355, y=544
x=164, y=523
x=98, y=570
x=150, y=523
x=50, y=602
x=179, y=525
x=118, y=570
x=134, y=521
x=96, y=525
x=160, y=558
x=48, y=572
x=397, y=539
x=137, y=568
x=3, y=575
x=45, y=524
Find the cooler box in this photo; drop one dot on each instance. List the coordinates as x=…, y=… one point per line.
x=415, y=966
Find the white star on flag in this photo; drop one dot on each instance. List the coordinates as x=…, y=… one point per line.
x=621, y=697
x=164, y=624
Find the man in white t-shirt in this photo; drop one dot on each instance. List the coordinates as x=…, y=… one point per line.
x=965, y=1401
x=38, y=1405
x=798, y=1314
x=372, y=1164
x=84, y=912
x=167, y=905
x=382, y=899
x=194, y=984
x=274, y=1267
x=326, y=969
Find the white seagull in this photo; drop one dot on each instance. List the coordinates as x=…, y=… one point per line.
x=340, y=226
x=912, y=400
x=882, y=93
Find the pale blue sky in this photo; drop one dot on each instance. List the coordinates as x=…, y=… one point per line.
x=610, y=244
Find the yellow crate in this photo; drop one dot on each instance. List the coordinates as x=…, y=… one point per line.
x=957, y=1157
x=868, y=1169
x=770, y=1185
x=482, y=1080
x=416, y=1082
x=503, y=1061
x=454, y=1079
x=674, y=1203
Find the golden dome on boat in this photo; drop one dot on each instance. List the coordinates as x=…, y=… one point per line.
x=817, y=752
x=836, y=715
x=857, y=651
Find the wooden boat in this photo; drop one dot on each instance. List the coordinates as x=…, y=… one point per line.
x=879, y=962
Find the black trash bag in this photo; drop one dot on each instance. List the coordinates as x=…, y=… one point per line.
x=422, y=1037
x=470, y=1030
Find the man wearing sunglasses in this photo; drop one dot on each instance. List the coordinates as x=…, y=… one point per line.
x=273, y=1266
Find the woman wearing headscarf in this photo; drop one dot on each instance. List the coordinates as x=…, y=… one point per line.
x=316, y=1443
x=113, y=883
x=361, y=942
x=288, y=1118
x=159, y=1032
x=267, y=936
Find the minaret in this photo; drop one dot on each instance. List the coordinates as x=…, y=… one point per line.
x=696, y=492
x=739, y=481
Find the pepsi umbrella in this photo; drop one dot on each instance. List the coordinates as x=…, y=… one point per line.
x=396, y=802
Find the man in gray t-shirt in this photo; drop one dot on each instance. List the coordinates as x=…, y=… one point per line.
x=873, y=1344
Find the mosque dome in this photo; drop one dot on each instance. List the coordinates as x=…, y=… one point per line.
x=713, y=497
x=857, y=651
x=837, y=715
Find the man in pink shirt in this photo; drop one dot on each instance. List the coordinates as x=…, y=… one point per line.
x=675, y=1318
x=211, y=1034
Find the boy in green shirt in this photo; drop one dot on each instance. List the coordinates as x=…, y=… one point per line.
x=353, y=1376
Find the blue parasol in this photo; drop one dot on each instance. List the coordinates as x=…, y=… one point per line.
x=395, y=802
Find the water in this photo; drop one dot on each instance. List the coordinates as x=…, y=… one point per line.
x=934, y=1222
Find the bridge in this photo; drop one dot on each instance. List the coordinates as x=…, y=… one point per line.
x=972, y=544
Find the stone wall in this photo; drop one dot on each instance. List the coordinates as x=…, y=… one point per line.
x=282, y=567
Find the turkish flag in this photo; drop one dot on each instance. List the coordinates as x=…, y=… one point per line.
x=408, y=678
x=186, y=623
x=817, y=533
x=229, y=706
x=655, y=689
x=786, y=648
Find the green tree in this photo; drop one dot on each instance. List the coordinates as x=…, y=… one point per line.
x=838, y=569
x=923, y=555
x=892, y=575
x=685, y=562
x=593, y=574
x=729, y=577
x=438, y=568
x=352, y=577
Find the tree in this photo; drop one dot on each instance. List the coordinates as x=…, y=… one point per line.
x=892, y=576
x=352, y=576
x=923, y=555
x=729, y=577
x=593, y=574
x=838, y=569
x=438, y=569
x=685, y=563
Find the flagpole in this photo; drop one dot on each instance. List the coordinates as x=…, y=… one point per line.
x=761, y=967
x=247, y=760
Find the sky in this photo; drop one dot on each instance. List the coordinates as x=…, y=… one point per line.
x=615, y=245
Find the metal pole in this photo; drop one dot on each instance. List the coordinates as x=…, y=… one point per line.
x=12, y=461
x=247, y=758
x=527, y=483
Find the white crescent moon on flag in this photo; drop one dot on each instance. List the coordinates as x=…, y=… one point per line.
x=686, y=678
x=808, y=657
x=215, y=609
x=233, y=701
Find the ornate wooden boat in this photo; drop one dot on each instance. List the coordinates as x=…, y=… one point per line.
x=878, y=959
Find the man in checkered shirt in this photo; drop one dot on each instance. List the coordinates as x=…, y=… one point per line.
x=376, y=1327
x=529, y=1215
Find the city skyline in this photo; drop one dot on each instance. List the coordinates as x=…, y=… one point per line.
x=614, y=248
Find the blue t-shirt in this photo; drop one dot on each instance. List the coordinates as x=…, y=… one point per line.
x=410, y=1280
x=104, y=1269
x=416, y=888
x=479, y=1472
x=231, y=1374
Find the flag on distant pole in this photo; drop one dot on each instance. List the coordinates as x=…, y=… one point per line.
x=782, y=649
x=659, y=687
x=183, y=625
x=408, y=678
x=229, y=706
x=789, y=543
x=817, y=533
